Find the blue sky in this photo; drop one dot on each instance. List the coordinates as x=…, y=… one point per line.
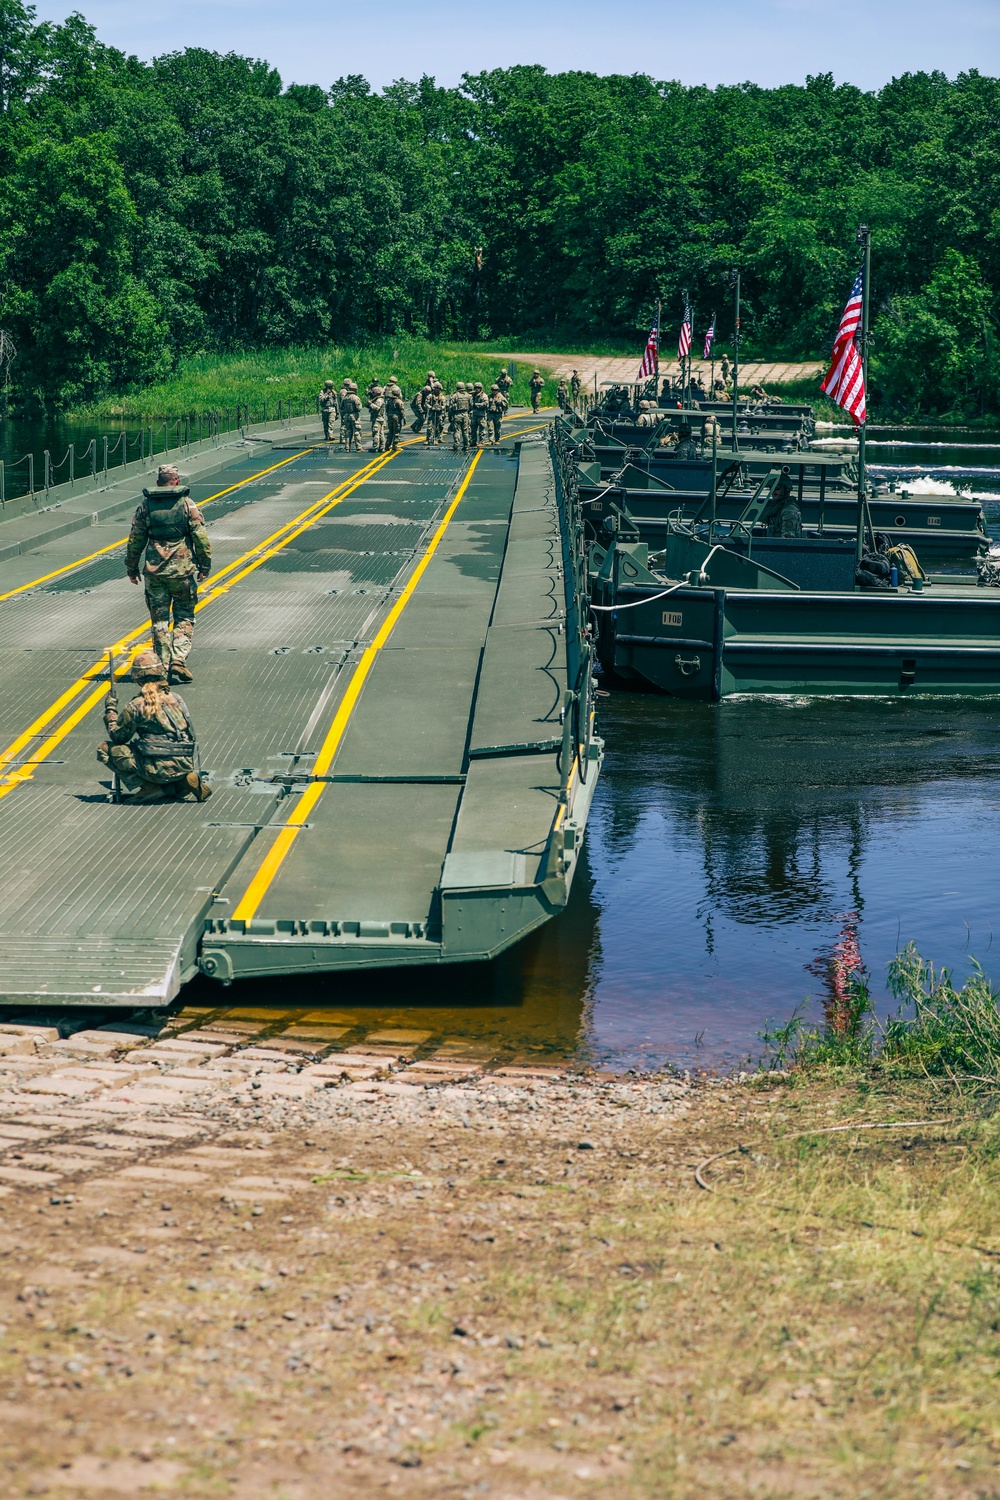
x=722, y=41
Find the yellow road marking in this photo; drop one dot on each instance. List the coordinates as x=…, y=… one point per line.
x=101, y=551
x=258, y=887
x=257, y=555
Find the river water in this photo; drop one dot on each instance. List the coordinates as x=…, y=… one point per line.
x=731, y=848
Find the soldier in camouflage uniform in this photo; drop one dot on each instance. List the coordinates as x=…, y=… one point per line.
x=328, y=408
x=170, y=529
x=686, y=445
x=461, y=405
x=395, y=414
x=497, y=410
x=376, y=415
x=479, y=434
x=575, y=386
x=350, y=418
x=151, y=742
x=434, y=411
x=505, y=382
x=536, y=384
x=562, y=395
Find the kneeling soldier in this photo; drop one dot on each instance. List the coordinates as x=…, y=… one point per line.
x=151, y=743
x=170, y=529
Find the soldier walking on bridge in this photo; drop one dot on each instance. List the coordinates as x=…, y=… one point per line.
x=350, y=418
x=376, y=415
x=395, y=414
x=505, y=381
x=479, y=435
x=461, y=405
x=328, y=409
x=170, y=529
x=151, y=742
x=575, y=386
x=536, y=383
x=497, y=411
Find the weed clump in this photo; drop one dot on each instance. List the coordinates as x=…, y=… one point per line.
x=938, y=1028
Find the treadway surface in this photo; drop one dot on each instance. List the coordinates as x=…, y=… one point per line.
x=314, y=551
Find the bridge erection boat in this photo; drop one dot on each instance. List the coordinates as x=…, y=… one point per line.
x=393, y=699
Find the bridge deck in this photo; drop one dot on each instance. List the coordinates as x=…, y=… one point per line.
x=375, y=633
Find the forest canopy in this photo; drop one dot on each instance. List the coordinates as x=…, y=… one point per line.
x=197, y=203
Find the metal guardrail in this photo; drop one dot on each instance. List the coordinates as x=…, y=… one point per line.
x=116, y=450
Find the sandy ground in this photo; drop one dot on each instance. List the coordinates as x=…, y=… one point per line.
x=273, y=1269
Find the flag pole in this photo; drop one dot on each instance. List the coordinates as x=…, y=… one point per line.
x=656, y=356
x=735, y=276
x=865, y=239
x=711, y=377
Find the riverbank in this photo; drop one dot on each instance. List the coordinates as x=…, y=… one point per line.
x=507, y=1282
x=295, y=375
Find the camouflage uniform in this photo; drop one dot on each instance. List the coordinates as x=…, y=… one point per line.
x=536, y=383
x=575, y=385
x=328, y=409
x=151, y=741
x=350, y=420
x=725, y=367
x=170, y=529
x=647, y=416
x=434, y=410
x=395, y=415
x=497, y=408
x=505, y=382
x=562, y=394
x=479, y=436
x=686, y=446
x=376, y=415
x=461, y=404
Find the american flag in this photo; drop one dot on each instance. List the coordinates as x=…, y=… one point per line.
x=845, y=379
x=709, y=340
x=651, y=359
x=684, y=338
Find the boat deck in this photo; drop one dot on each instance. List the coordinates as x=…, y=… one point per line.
x=381, y=659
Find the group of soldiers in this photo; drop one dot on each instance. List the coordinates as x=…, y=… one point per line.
x=470, y=415
x=151, y=745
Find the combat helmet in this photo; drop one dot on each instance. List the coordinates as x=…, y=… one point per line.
x=328, y=385
x=168, y=474
x=494, y=387
x=460, y=385
x=148, y=667
x=478, y=385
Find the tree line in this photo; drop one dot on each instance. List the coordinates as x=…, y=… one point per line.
x=196, y=203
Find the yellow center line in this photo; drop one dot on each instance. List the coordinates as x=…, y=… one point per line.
x=258, y=887
x=101, y=551
x=247, y=563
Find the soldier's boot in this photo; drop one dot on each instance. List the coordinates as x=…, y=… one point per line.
x=180, y=672
x=163, y=641
x=196, y=785
x=149, y=791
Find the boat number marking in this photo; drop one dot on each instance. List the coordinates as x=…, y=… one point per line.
x=934, y=520
x=672, y=619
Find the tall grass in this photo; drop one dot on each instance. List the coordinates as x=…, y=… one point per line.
x=938, y=1028
x=210, y=382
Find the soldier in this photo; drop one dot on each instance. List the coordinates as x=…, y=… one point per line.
x=536, y=384
x=505, y=381
x=709, y=429
x=395, y=414
x=419, y=402
x=151, y=742
x=373, y=385
x=686, y=445
x=480, y=411
x=434, y=409
x=575, y=386
x=719, y=392
x=461, y=405
x=725, y=368
x=170, y=528
x=376, y=415
x=647, y=416
x=562, y=395
x=328, y=409
x=350, y=418
x=757, y=392
x=497, y=410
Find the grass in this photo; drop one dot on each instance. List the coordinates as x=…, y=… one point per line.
x=215, y=381
x=538, y=1318
x=938, y=1030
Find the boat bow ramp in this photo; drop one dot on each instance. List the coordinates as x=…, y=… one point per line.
x=393, y=699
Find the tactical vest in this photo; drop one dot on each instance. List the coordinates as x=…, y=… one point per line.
x=168, y=515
